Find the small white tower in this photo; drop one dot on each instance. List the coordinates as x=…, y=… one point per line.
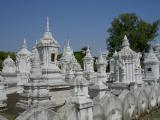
x=80, y=85
x=23, y=64
x=125, y=65
x=99, y=88
x=48, y=50
x=23, y=59
x=9, y=71
x=101, y=66
x=66, y=58
x=88, y=62
x=89, y=65
x=151, y=66
x=68, y=62
x=9, y=66
x=80, y=97
x=36, y=90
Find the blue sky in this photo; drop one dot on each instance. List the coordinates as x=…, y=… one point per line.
x=84, y=21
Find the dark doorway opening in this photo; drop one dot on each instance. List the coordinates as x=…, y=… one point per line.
x=52, y=57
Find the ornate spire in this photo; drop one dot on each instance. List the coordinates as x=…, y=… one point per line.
x=47, y=25
x=88, y=52
x=24, y=45
x=125, y=42
x=67, y=51
x=151, y=57
x=100, y=58
x=68, y=48
x=64, y=50
x=68, y=45
x=151, y=50
x=115, y=54
x=35, y=64
x=8, y=56
x=36, y=42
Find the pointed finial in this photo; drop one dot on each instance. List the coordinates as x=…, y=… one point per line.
x=8, y=56
x=115, y=53
x=125, y=37
x=47, y=24
x=100, y=58
x=88, y=52
x=24, y=41
x=24, y=45
x=125, y=42
x=68, y=48
x=151, y=50
x=67, y=38
x=88, y=47
x=64, y=50
x=68, y=45
x=36, y=42
x=100, y=52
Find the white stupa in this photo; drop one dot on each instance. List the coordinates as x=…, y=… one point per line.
x=48, y=51
x=23, y=59
x=151, y=66
x=9, y=66
x=125, y=65
x=36, y=90
x=9, y=71
x=89, y=66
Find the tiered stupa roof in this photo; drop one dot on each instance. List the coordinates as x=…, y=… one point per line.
x=24, y=50
x=48, y=39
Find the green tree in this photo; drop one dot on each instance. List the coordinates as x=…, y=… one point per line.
x=79, y=55
x=138, y=31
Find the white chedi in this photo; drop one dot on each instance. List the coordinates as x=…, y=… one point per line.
x=48, y=50
x=68, y=63
x=23, y=59
x=101, y=65
x=125, y=65
x=68, y=60
x=79, y=84
x=88, y=62
x=36, y=90
x=101, y=77
x=151, y=66
x=9, y=66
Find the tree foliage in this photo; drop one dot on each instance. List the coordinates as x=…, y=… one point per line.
x=79, y=55
x=138, y=31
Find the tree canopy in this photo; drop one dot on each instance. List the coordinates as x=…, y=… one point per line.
x=79, y=55
x=138, y=31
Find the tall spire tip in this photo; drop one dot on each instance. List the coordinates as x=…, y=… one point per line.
x=47, y=24
x=24, y=45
